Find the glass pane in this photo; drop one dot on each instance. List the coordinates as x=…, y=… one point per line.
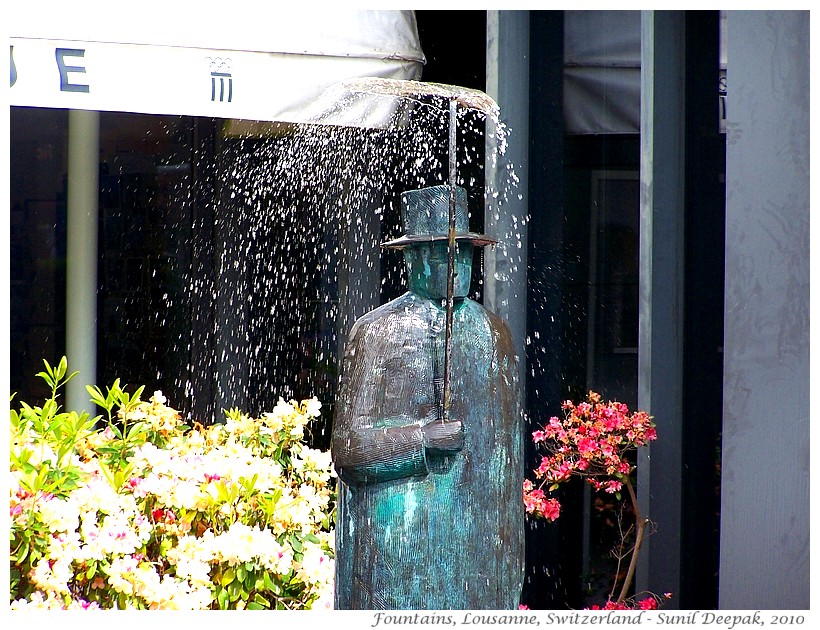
x=612, y=342
x=38, y=143
x=146, y=202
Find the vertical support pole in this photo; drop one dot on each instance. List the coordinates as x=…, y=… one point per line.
x=81, y=255
x=451, y=253
x=506, y=214
x=660, y=352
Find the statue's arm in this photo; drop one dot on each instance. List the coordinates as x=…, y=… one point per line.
x=370, y=447
x=372, y=455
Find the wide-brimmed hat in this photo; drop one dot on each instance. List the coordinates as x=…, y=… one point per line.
x=425, y=215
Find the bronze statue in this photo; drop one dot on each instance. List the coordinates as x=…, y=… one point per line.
x=430, y=511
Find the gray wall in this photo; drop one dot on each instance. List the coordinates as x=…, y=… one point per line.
x=506, y=217
x=764, y=554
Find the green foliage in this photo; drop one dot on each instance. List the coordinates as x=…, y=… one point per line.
x=133, y=509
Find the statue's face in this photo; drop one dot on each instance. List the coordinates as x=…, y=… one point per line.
x=427, y=269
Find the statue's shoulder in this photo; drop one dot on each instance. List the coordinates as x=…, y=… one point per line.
x=386, y=315
x=495, y=323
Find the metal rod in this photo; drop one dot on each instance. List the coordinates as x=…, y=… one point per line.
x=451, y=258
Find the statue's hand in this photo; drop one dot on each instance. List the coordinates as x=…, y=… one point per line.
x=444, y=436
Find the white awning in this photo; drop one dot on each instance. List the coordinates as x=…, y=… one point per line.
x=602, y=72
x=244, y=60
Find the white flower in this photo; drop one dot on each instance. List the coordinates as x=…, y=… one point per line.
x=51, y=601
x=52, y=575
x=273, y=421
x=59, y=515
x=283, y=409
x=316, y=567
x=187, y=495
x=325, y=599
x=313, y=407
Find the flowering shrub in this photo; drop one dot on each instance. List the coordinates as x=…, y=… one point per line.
x=145, y=512
x=593, y=441
x=649, y=601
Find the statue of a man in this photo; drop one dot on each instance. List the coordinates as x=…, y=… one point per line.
x=430, y=510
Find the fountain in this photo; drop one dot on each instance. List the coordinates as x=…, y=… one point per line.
x=428, y=433
x=302, y=212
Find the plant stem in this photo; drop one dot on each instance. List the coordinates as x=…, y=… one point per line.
x=640, y=525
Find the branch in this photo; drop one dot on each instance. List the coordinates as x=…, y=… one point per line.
x=640, y=526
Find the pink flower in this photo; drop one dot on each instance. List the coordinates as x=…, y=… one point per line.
x=544, y=468
x=536, y=503
x=552, y=509
x=586, y=446
x=606, y=449
x=533, y=501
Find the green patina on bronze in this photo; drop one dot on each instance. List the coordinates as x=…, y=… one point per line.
x=430, y=514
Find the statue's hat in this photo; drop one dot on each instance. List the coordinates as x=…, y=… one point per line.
x=425, y=214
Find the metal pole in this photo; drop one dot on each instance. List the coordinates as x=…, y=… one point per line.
x=451, y=258
x=81, y=255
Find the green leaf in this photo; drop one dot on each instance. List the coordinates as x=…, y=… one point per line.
x=136, y=429
x=116, y=431
x=222, y=599
x=248, y=484
x=23, y=552
x=234, y=590
x=250, y=581
x=138, y=393
x=255, y=606
x=96, y=395
x=46, y=377
x=312, y=538
x=269, y=583
x=295, y=543
x=62, y=367
x=109, y=475
x=228, y=576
